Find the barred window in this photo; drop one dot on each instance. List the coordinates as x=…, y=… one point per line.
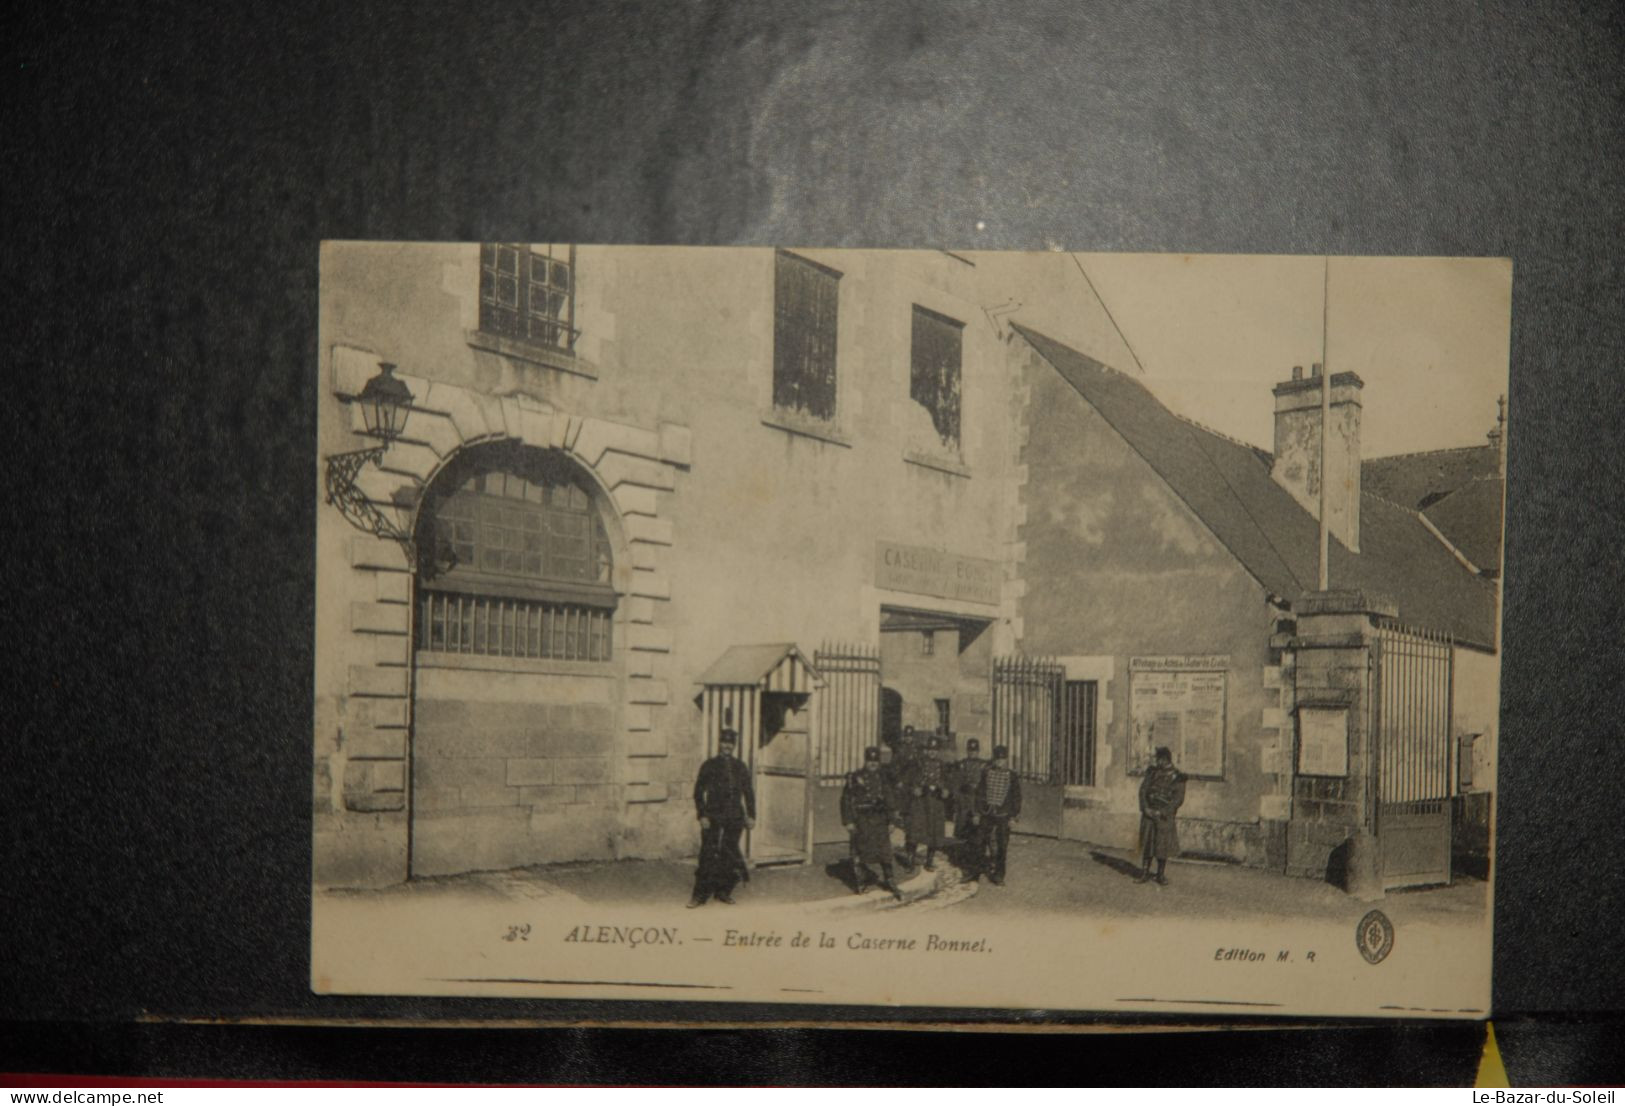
x=515, y=559
x=451, y=622
x=934, y=371
x=804, y=323
x=528, y=292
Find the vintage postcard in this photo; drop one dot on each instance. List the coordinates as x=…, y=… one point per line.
x=1057, y=631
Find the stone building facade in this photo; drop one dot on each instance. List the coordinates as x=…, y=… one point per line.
x=620, y=464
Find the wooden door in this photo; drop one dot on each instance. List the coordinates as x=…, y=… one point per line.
x=783, y=772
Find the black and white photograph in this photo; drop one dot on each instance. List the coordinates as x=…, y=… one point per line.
x=1048, y=630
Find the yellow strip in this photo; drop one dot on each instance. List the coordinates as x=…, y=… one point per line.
x=1491, y=1071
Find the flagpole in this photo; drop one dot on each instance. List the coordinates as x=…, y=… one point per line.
x=1325, y=424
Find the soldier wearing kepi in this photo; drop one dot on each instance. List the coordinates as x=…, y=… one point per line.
x=998, y=803
x=928, y=804
x=899, y=780
x=725, y=804
x=866, y=814
x=967, y=776
x=1162, y=793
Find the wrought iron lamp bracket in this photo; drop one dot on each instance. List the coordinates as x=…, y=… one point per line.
x=358, y=510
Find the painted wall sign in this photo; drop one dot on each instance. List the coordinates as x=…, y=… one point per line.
x=921, y=571
x=1323, y=741
x=1182, y=708
x=1181, y=662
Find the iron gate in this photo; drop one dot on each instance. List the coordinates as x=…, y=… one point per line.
x=849, y=708
x=848, y=721
x=1028, y=706
x=1415, y=761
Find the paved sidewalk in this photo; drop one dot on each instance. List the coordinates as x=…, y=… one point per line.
x=1045, y=876
x=1075, y=877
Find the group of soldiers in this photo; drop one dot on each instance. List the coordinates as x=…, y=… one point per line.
x=921, y=793
x=917, y=791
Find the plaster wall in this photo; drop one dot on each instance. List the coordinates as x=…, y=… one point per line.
x=1116, y=566
x=946, y=673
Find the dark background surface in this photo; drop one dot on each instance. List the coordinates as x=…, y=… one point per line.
x=169, y=173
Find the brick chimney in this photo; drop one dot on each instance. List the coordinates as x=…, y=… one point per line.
x=1297, y=448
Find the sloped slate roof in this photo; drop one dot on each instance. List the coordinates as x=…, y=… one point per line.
x=751, y=665
x=1470, y=519
x=1228, y=486
x=1410, y=478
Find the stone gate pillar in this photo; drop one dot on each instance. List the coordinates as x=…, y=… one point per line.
x=1329, y=834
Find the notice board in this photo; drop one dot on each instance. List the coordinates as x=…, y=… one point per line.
x=1179, y=702
x=1323, y=741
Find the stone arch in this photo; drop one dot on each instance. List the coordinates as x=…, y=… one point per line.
x=470, y=455
x=633, y=468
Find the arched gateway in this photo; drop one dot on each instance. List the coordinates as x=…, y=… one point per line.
x=502, y=701
x=520, y=658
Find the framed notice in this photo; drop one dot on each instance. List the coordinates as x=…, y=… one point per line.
x=1323, y=741
x=1179, y=703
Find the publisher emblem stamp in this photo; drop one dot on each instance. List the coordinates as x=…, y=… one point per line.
x=1375, y=937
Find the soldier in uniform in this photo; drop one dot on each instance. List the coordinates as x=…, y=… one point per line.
x=967, y=777
x=899, y=774
x=928, y=789
x=866, y=814
x=1162, y=793
x=998, y=803
x=725, y=804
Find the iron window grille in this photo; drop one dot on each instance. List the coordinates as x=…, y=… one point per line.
x=528, y=293
x=485, y=625
x=805, y=304
x=1077, y=724
x=936, y=360
x=528, y=562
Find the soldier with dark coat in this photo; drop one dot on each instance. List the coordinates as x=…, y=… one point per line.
x=725, y=804
x=967, y=777
x=898, y=774
x=998, y=803
x=927, y=795
x=1162, y=793
x=866, y=814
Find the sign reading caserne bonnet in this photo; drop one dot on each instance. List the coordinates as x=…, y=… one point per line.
x=922, y=571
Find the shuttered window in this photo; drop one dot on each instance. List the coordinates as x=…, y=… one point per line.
x=804, y=324
x=934, y=373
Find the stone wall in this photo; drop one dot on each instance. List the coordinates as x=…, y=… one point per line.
x=1331, y=667
x=514, y=768
x=483, y=737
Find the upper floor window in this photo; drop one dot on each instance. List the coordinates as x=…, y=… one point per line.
x=804, y=323
x=934, y=371
x=528, y=293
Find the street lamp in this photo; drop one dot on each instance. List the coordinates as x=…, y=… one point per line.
x=385, y=403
